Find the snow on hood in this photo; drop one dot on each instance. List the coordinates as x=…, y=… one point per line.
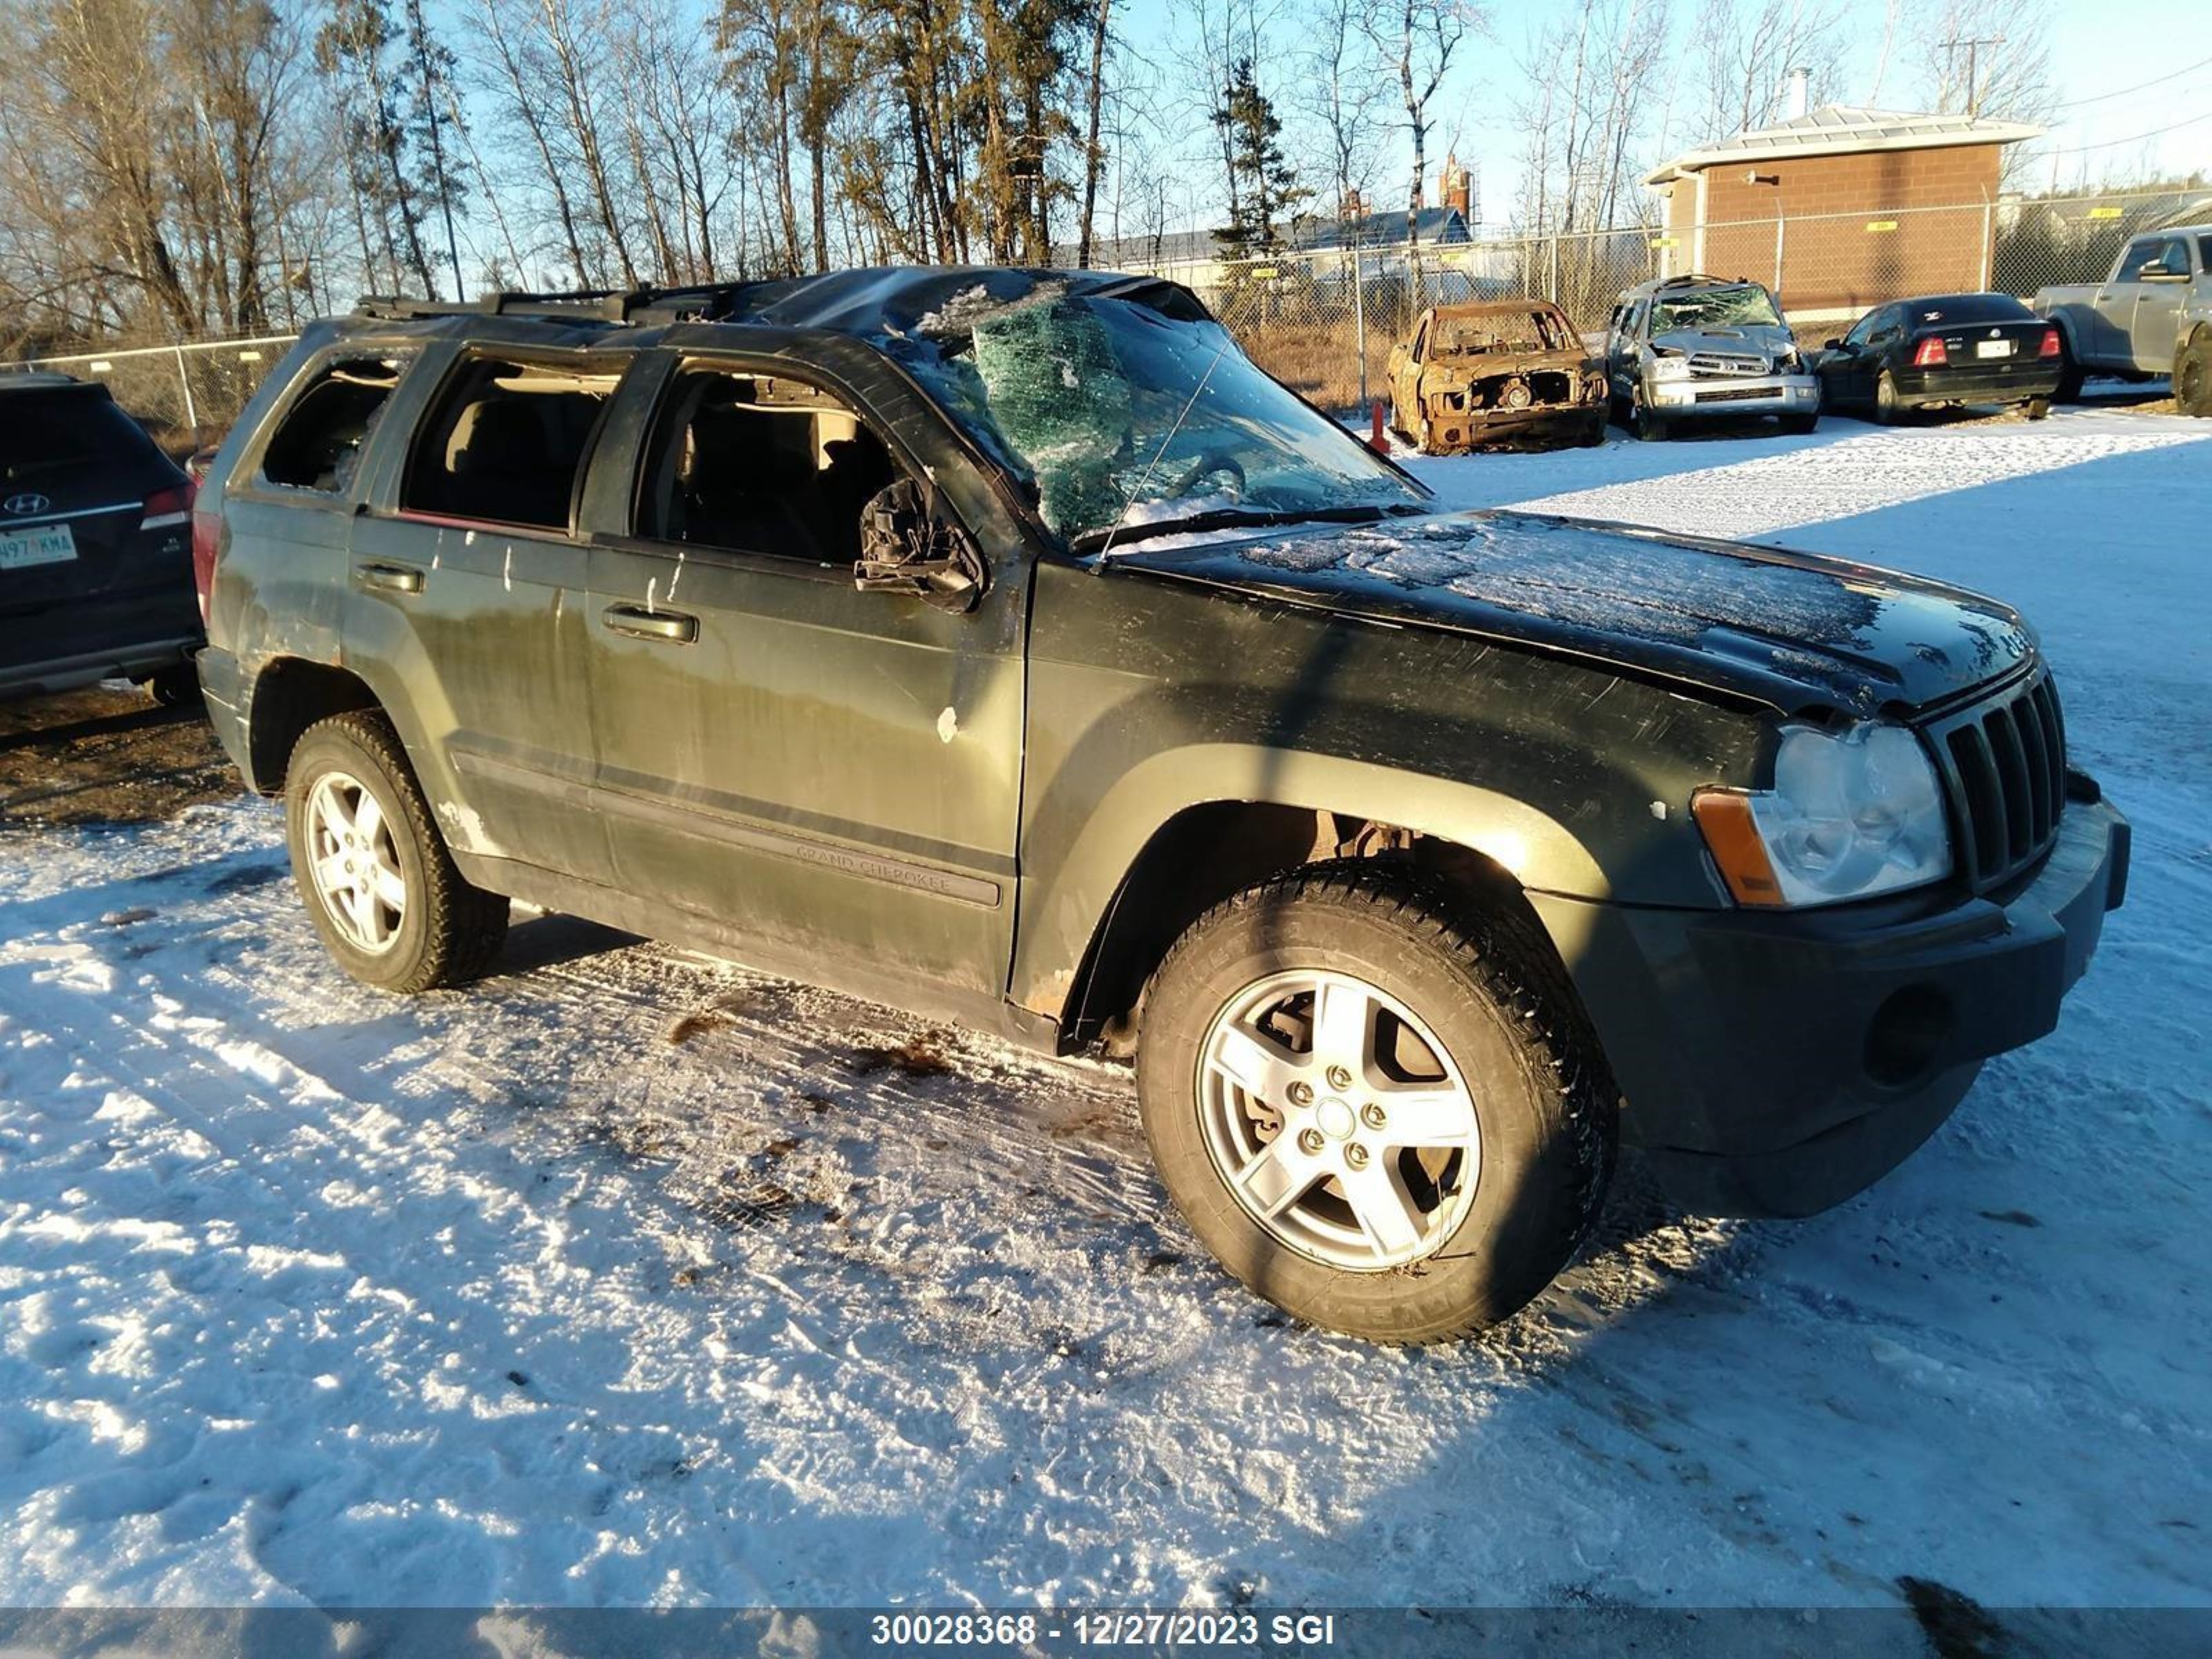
x=1791, y=629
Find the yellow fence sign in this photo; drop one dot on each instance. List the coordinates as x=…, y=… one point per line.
x=1664, y=241
x=2104, y=213
x=1882, y=224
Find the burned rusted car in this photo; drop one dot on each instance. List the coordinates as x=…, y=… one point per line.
x=1499, y=372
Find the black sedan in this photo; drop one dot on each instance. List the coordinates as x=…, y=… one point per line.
x=95, y=546
x=1943, y=349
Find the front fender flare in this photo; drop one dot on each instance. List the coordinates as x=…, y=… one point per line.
x=1062, y=912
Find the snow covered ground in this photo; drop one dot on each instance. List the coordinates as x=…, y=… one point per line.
x=629, y=1277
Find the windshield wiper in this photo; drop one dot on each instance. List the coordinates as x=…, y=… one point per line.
x=1234, y=518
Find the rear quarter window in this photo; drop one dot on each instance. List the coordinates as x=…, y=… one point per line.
x=318, y=446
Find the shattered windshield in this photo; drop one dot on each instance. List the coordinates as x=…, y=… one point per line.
x=1112, y=412
x=1748, y=305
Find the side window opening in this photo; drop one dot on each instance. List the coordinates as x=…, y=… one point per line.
x=319, y=445
x=505, y=445
x=761, y=465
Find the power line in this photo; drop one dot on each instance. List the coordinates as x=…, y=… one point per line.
x=2099, y=98
x=2155, y=132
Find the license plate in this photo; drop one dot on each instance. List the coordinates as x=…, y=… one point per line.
x=1993, y=348
x=53, y=543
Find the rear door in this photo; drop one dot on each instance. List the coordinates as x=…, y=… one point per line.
x=95, y=530
x=834, y=773
x=463, y=600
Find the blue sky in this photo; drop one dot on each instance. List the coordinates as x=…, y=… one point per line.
x=2092, y=51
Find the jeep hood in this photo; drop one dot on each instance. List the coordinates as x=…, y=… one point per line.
x=1795, y=631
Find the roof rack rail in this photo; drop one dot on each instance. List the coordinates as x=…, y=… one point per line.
x=702, y=302
x=1691, y=276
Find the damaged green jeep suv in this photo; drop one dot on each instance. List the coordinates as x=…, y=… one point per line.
x=1004, y=645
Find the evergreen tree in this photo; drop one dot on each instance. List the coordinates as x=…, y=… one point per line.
x=1264, y=188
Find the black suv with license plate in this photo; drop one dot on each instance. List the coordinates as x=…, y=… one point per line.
x=95, y=553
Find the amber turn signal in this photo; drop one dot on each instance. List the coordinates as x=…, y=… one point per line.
x=1724, y=817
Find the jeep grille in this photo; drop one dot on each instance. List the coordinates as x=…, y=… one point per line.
x=2003, y=762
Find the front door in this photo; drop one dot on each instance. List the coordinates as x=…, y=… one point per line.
x=2160, y=287
x=833, y=773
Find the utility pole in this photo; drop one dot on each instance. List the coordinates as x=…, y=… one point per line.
x=1973, y=59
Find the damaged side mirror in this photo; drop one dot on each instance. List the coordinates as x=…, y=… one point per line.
x=906, y=549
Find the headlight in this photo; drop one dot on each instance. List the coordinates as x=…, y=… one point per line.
x=1788, y=362
x=1851, y=814
x=1670, y=366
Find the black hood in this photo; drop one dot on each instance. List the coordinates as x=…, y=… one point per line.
x=1796, y=631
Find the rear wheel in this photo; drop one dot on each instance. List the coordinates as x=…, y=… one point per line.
x=2069, y=374
x=1384, y=1114
x=175, y=687
x=1888, y=410
x=2192, y=376
x=379, y=885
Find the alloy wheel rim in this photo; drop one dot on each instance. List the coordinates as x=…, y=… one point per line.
x=353, y=861
x=1338, y=1121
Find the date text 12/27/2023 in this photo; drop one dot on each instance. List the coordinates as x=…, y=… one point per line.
x=1118, y=1627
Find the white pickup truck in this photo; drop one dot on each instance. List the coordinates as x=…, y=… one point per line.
x=2153, y=315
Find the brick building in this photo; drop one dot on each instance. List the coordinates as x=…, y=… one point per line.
x=1840, y=208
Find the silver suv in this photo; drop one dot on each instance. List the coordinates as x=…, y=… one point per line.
x=1695, y=347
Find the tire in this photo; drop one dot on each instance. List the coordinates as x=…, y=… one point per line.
x=175, y=687
x=439, y=930
x=2069, y=374
x=1888, y=410
x=1799, y=426
x=2192, y=376
x=1593, y=432
x=1494, y=1026
x=1648, y=428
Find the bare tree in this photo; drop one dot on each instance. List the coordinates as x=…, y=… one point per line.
x=1418, y=38
x=1343, y=90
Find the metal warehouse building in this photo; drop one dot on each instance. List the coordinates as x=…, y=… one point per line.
x=1841, y=207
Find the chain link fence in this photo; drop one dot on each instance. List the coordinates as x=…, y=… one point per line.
x=1324, y=319
x=186, y=393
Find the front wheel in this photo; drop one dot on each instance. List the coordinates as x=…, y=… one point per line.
x=378, y=883
x=1380, y=1109
x=1799, y=426
x=1649, y=427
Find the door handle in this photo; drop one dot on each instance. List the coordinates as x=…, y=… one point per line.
x=674, y=626
x=393, y=578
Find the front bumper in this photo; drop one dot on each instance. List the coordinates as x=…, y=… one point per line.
x=1446, y=431
x=1778, y=1063
x=1720, y=395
